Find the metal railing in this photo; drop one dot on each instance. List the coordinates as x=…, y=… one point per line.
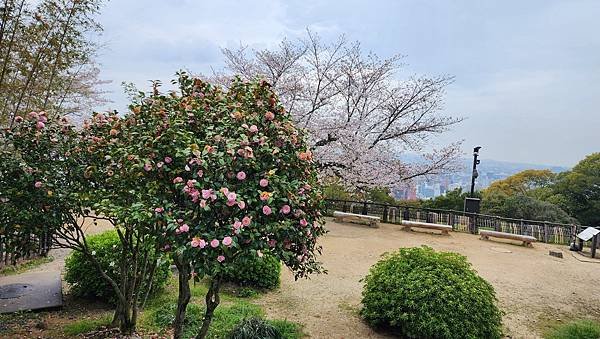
x=544, y=231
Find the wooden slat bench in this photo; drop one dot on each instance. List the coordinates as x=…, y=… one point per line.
x=357, y=218
x=526, y=239
x=409, y=224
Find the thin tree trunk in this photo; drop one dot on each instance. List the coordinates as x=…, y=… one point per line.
x=58, y=53
x=183, y=298
x=212, y=301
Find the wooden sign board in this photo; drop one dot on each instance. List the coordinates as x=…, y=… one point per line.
x=588, y=233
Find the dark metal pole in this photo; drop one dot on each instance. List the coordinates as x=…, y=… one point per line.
x=474, y=174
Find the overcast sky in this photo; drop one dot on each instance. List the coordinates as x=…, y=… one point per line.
x=527, y=72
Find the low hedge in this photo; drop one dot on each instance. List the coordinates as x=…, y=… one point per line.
x=259, y=272
x=84, y=279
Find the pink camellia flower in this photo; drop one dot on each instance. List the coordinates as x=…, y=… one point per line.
x=178, y=180
x=263, y=182
x=272, y=243
x=237, y=224
x=168, y=160
x=191, y=183
x=231, y=196
x=159, y=210
x=206, y=193
x=265, y=196
x=227, y=241
x=220, y=258
x=200, y=173
x=18, y=119
x=33, y=115
x=147, y=167
x=285, y=209
x=269, y=116
x=40, y=125
x=184, y=228
x=246, y=221
x=42, y=117
x=159, y=164
x=224, y=190
x=303, y=222
x=241, y=204
x=266, y=210
x=214, y=243
x=38, y=184
x=253, y=129
x=202, y=203
x=197, y=242
x=241, y=175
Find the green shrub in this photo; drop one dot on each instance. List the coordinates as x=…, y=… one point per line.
x=261, y=272
x=579, y=329
x=255, y=328
x=420, y=293
x=85, y=280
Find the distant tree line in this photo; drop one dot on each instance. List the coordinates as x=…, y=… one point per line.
x=567, y=197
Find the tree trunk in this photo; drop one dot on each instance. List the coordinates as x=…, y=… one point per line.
x=212, y=301
x=183, y=298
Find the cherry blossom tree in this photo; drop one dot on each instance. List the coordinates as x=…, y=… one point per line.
x=361, y=118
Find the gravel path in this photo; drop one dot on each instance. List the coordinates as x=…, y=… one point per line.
x=533, y=287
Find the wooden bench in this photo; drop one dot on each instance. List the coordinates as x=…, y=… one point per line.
x=357, y=218
x=408, y=224
x=526, y=239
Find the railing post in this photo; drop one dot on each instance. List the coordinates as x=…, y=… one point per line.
x=406, y=214
x=385, y=213
x=545, y=232
x=364, y=210
x=521, y=228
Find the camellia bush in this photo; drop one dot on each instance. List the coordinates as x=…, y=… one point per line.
x=36, y=183
x=421, y=293
x=216, y=176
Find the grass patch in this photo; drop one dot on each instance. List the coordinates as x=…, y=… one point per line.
x=25, y=266
x=577, y=329
x=87, y=325
x=159, y=313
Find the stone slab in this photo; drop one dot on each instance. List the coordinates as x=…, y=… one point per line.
x=30, y=291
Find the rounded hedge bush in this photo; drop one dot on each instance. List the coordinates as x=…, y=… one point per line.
x=84, y=279
x=420, y=293
x=260, y=272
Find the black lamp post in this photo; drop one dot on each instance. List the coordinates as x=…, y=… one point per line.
x=474, y=175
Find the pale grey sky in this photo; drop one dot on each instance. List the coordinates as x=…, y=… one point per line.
x=527, y=72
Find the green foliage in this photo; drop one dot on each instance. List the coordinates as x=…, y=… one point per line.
x=380, y=195
x=578, y=190
x=261, y=272
x=255, y=328
x=579, y=329
x=452, y=200
x=225, y=318
x=288, y=329
x=521, y=183
x=421, y=293
x=106, y=248
x=524, y=207
x=86, y=325
x=334, y=190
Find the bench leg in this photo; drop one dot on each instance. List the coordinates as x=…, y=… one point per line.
x=527, y=244
x=445, y=232
x=374, y=224
x=406, y=228
x=484, y=237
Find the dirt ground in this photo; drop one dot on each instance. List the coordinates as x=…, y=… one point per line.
x=533, y=288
